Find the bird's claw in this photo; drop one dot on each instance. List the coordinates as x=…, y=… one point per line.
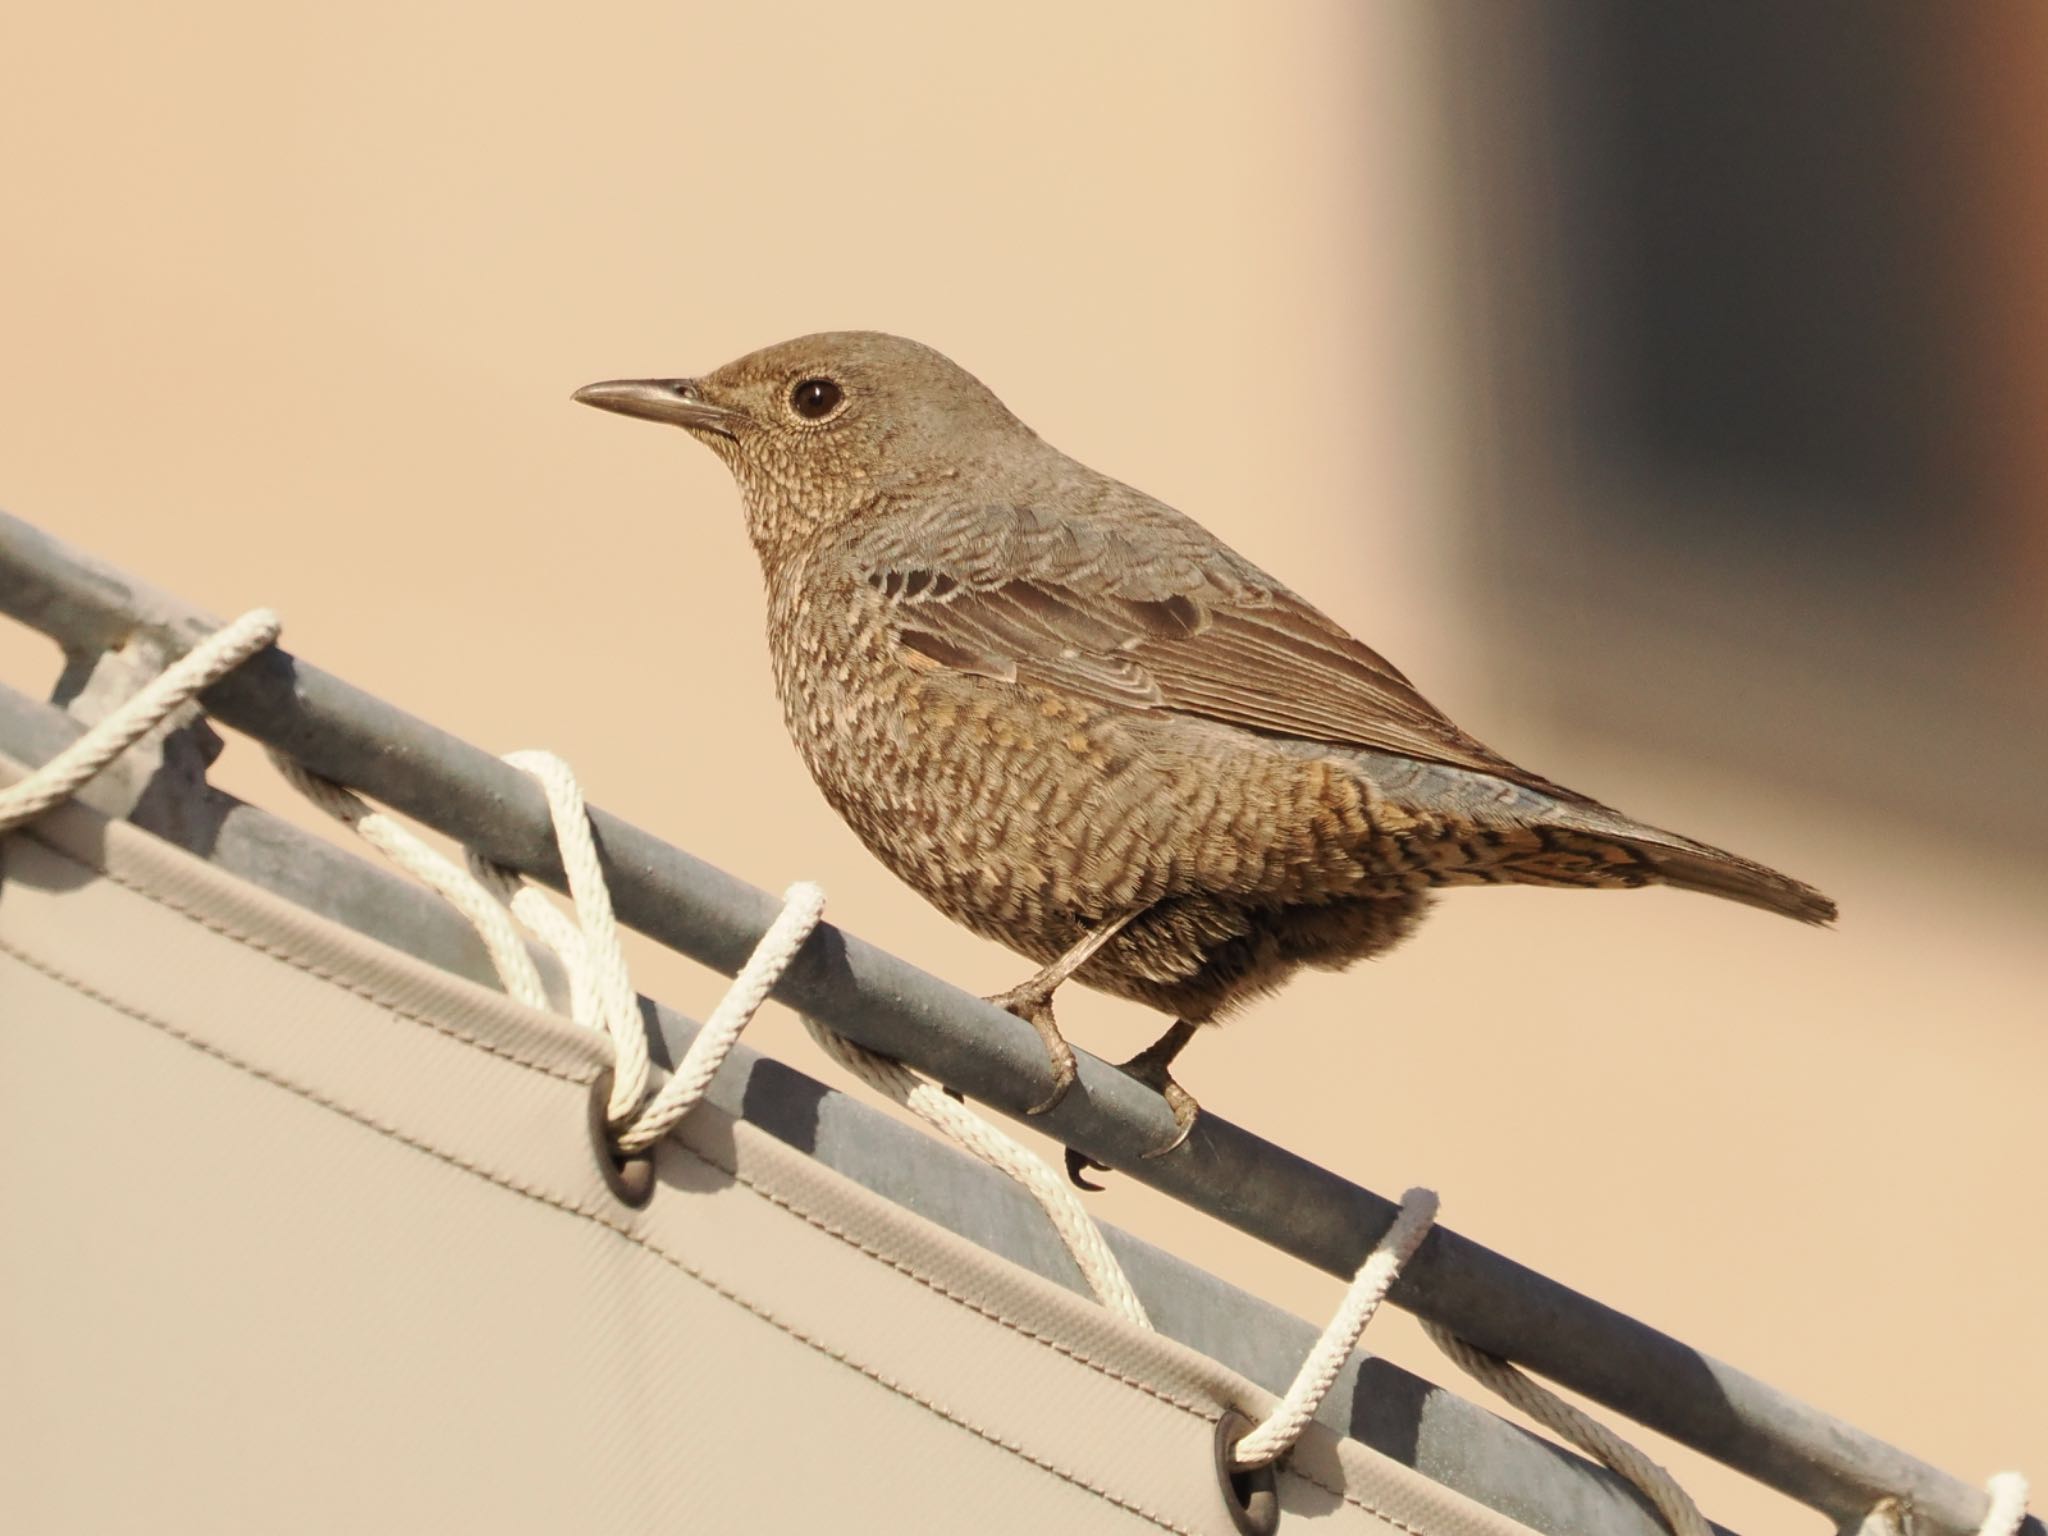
x=1032, y=1002
x=1185, y=1112
x=1079, y=1165
x=1153, y=1067
x=1149, y=1068
x=1033, y=1005
x=1064, y=1075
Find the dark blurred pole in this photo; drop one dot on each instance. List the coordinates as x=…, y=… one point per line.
x=1999, y=73
x=1757, y=378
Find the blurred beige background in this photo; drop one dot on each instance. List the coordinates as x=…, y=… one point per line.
x=291, y=303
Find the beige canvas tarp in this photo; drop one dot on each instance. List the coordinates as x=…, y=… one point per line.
x=297, y=1233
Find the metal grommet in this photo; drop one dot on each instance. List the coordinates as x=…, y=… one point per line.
x=630, y=1174
x=1250, y=1494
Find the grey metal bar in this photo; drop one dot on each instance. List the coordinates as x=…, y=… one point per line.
x=892, y=1007
x=1440, y=1434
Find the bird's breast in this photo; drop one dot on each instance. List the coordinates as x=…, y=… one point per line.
x=943, y=782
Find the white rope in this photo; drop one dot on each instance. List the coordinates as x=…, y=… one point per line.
x=602, y=997
x=613, y=1005
x=554, y=928
x=589, y=951
x=177, y=685
x=802, y=904
x=391, y=838
x=1274, y=1436
x=2008, y=1492
x=1672, y=1503
x=601, y=988
x=1077, y=1230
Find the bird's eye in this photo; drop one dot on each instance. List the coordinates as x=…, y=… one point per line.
x=815, y=399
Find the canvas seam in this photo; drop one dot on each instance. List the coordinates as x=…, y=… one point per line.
x=938, y=1287
x=353, y=988
x=638, y=1240
x=810, y=1218
x=813, y=1218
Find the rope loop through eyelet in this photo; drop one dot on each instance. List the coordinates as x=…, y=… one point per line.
x=629, y=1175
x=1251, y=1495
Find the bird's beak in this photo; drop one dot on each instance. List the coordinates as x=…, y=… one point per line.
x=679, y=402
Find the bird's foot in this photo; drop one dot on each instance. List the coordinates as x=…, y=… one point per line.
x=1032, y=1003
x=1152, y=1067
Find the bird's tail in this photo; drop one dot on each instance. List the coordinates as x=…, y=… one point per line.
x=1533, y=832
x=1665, y=858
x=1695, y=867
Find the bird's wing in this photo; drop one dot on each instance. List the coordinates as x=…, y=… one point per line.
x=1158, y=617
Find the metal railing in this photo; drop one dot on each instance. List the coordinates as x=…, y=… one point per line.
x=890, y=1006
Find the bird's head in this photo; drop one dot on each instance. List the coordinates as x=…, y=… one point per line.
x=819, y=430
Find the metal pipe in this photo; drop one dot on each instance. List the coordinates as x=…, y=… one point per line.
x=1444, y=1436
x=890, y=1006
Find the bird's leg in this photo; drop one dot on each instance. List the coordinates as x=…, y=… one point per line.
x=1031, y=1001
x=1151, y=1066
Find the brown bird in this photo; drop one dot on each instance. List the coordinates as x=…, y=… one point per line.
x=1078, y=723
